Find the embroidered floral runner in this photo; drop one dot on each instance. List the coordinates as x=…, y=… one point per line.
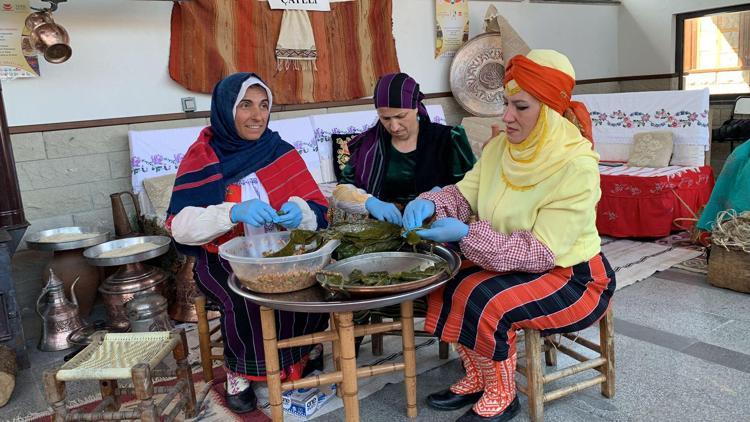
x=214, y=38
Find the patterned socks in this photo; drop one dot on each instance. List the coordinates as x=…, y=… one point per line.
x=236, y=383
x=499, y=385
x=472, y=382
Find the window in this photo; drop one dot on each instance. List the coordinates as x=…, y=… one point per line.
x=713, y=50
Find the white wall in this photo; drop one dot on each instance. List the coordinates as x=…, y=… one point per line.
x=646, y=29
x=121, y=47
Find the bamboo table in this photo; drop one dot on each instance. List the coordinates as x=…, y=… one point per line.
x=341, y=335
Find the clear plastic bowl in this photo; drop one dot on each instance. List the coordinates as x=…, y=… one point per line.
x=273, y=275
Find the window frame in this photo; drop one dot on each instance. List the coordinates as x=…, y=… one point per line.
x=680, y=44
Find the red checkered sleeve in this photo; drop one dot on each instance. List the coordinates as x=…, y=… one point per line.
x=449, y=203
x=519, y=251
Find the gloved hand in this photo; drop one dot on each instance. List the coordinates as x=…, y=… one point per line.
x=292, y=216
x=383, y=211
x=253, y=212
x=416, y=212
x=436, y=189
x=447, y=229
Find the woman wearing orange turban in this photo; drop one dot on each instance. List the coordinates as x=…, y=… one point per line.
x=535, y=245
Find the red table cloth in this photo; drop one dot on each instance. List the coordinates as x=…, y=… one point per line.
x=644, y=202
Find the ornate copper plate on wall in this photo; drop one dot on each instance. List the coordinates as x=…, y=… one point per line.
x=477, y=76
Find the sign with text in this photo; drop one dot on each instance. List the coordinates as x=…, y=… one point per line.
x=452, y=30
x=323, y=5
x=18, y=58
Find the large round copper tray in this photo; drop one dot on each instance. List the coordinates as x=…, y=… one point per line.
x=393, y=262
x=476, y=76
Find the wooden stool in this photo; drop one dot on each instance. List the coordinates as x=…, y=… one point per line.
x=208, y=339
x=536, y=378
x=115, y=356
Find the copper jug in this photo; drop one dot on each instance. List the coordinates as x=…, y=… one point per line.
x=123, y=228
x=59, y=315
x=49, y=38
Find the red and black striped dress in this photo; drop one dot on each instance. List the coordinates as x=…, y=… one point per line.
x=482, y=309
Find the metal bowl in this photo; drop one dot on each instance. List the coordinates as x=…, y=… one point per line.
x=393, y=262
x=92, y=254
x=34, y=240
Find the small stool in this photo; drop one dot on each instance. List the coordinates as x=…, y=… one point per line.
x=536, y=378
x=114, y=356
x=208, y=338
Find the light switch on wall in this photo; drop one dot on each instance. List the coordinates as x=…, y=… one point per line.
x=188, y=104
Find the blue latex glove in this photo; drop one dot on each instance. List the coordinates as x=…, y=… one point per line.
x=416, y=212
x=447, y=229
x=292, y=216
x=253, y=212
x=436, y=189
x=383, y=211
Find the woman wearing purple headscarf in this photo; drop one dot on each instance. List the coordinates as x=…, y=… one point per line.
x=403, y=155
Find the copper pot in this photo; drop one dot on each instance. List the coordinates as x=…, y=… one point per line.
x=148, y=312
x=52, y=40
x=122, y=286
x=37, y=18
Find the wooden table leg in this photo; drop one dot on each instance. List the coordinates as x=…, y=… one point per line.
x=410, y=357
x=336, y=351
x=348, y=360
x=273, y=373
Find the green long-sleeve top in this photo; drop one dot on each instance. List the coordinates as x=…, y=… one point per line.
x=400, y=179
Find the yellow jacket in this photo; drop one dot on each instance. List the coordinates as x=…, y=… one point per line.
x=559, y=210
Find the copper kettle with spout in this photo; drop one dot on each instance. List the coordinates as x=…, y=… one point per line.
x=123, y=228
x=59, y=315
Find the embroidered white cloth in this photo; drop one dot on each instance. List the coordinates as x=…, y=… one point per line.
x=159, y=152
x=617, y=117
x=625, y=170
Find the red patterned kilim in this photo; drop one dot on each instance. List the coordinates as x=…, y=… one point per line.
x=499, y=385
x=212, y=39
x=472, y=381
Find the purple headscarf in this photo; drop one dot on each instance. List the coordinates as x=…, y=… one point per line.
x=395, y=90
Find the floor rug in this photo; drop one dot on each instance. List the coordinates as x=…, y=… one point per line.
x=213, y=407
x=634, y=260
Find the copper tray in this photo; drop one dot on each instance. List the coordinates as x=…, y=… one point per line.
x=392, y=262
x=476, y=75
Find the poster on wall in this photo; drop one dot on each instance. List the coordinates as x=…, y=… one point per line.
x=18, y=58
x=452, y=31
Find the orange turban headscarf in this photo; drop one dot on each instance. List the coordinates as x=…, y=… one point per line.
x=551, y=86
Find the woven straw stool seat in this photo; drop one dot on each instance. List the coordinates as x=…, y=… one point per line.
x=116, y=356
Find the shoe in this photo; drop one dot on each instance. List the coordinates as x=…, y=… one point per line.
x=316, y=362
x=509, y=413
x=242, y=402
x=448, y=400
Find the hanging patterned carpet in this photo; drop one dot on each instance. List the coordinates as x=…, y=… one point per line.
x=353, y=45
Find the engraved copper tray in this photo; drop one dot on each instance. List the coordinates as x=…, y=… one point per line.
x=476, y=76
